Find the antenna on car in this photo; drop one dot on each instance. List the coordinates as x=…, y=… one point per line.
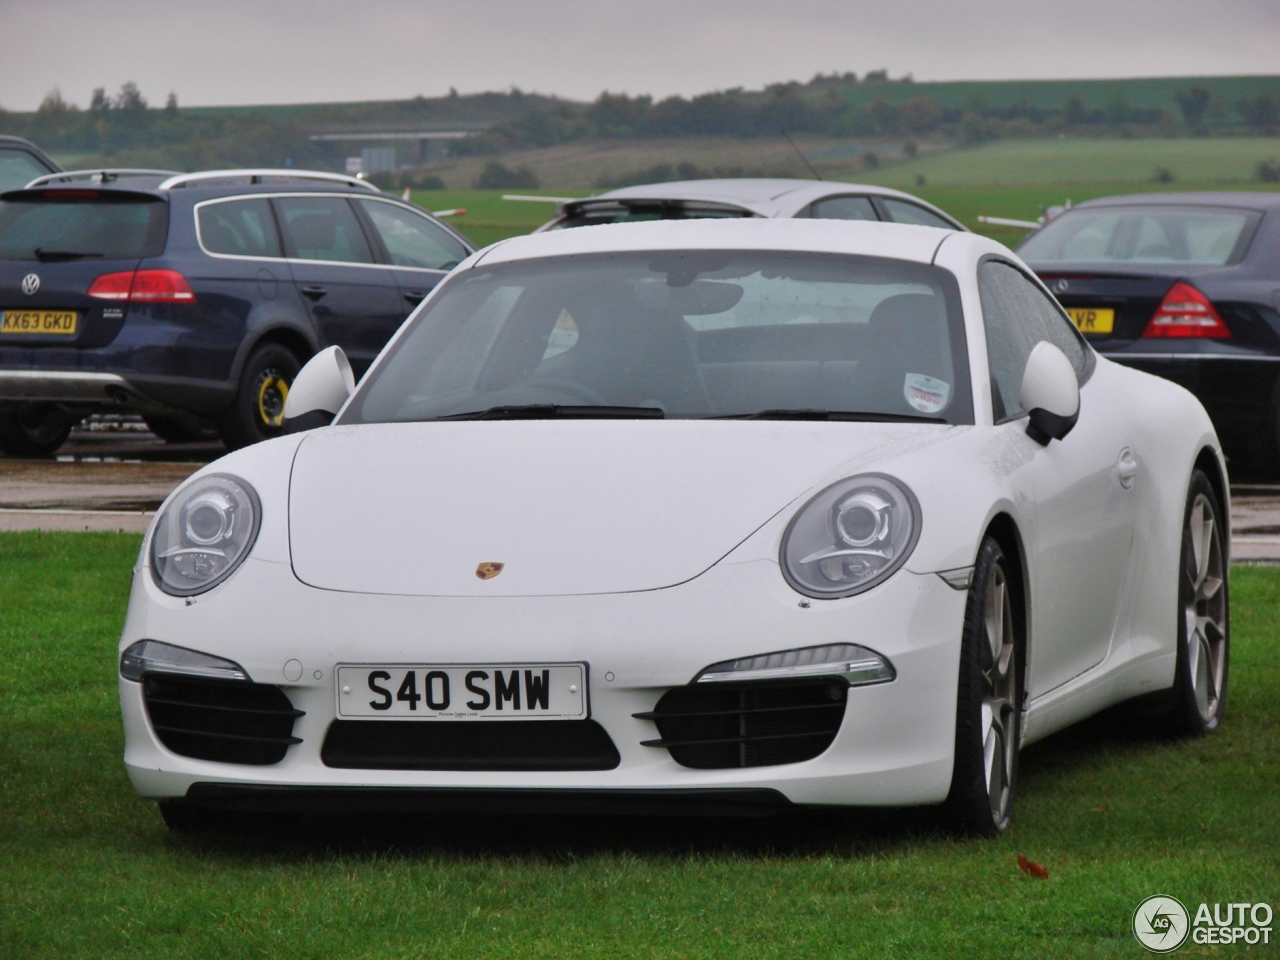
x=816, y=175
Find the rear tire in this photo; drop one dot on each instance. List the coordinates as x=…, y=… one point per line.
x=258, y=410
x=182, y=428
x=1204, y=616
x=34, y=430
x=984, y=778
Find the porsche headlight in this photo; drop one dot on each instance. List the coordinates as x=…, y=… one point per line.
x=850, y=537
x=204, y=534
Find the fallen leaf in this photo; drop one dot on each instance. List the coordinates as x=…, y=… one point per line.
x=1102, y=809
x=1032, y=869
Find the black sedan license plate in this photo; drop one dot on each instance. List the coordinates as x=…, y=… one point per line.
x=515, y=691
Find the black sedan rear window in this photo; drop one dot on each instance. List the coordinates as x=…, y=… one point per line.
x=1157, y=234
x=76, y=224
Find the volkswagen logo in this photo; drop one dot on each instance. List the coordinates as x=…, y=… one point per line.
x=1061, y=286
x=30, y=283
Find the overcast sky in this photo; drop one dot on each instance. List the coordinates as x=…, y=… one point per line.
x=282, y=51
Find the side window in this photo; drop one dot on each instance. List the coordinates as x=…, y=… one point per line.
x=322, y=228
x=843, y=208
x=1017, y=316
x=411, y=240
x=900, y=211
x=242, y=228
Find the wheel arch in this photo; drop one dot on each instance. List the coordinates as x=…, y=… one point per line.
x=1004, y=530
x=288, y=336
x=1208, y=462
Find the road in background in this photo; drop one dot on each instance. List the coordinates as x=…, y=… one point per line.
x=113, y=473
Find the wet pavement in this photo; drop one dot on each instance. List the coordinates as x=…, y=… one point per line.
x=113, y=473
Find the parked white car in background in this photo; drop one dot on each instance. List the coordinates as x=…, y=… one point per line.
x=733, y=197
x=689, y=515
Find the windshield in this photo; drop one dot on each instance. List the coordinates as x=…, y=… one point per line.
x=80, y=223
x=599, y=213
x=1142, y=235
x=683, y=334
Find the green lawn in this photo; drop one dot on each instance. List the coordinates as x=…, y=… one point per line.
x=88, y=870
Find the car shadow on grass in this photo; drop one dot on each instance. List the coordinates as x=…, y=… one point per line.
x=549, y=838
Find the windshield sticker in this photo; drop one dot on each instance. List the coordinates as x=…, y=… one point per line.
x=926, y=394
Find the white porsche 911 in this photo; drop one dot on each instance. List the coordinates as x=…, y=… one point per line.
x=685, y=516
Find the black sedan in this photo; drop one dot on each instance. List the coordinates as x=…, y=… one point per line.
x=1186, y=286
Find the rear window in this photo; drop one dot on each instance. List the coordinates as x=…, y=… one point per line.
x=81, y=223
x=1155, y=235
x=597, y=214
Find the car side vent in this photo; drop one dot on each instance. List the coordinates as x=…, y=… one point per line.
x=751, y=724
x=225, y=720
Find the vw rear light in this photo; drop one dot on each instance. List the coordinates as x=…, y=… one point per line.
x=1186, y=312
x=161, y=286
x=112, y=286
x=143, y=286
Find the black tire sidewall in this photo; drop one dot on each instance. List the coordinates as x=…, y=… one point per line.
x=17, y=440
x=240, y=425
x=968, y=805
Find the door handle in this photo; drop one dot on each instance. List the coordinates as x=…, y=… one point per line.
x=314, y=293
x=415, y=296
x=1127, y=468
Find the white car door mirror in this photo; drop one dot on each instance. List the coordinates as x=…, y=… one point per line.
x=318, y=391
x=1050, y=394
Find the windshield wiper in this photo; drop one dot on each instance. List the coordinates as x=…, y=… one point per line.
x=552, y=411
x=49, y=256
x=814, y=413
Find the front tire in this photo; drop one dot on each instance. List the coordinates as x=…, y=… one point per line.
x=34, y=430
x=1204, y=610
x=258, y=410
x=984, y=778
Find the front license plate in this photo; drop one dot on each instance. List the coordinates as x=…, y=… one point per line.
x=44, y=322
x=509, y=691
x=1090, y=320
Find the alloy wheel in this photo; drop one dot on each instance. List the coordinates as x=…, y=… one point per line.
x=1205, y=608
x=999, y=688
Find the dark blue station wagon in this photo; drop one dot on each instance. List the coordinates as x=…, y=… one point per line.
x=194, y=299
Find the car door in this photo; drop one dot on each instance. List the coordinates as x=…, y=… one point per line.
x=354, y=300
x=419, y=250
x=1080, y=525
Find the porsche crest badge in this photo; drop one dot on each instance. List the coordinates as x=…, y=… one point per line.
x=488, y=570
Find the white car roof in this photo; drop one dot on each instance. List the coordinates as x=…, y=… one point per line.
x=764, y=196
x=865, y=237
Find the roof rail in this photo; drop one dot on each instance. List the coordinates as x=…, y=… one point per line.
x=97, y=176
x=258, y=176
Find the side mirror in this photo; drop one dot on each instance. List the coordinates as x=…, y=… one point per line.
x=1050, y=394
x=318, y=391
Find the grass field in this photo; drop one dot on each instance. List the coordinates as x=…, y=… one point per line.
x=88, y=870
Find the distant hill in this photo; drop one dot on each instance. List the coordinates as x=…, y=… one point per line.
x=125, y=130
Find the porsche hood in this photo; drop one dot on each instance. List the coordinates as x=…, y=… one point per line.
x=581, y=507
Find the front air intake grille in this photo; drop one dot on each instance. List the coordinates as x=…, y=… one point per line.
x=230, y=721
x=469, y=745
x=711, y=726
